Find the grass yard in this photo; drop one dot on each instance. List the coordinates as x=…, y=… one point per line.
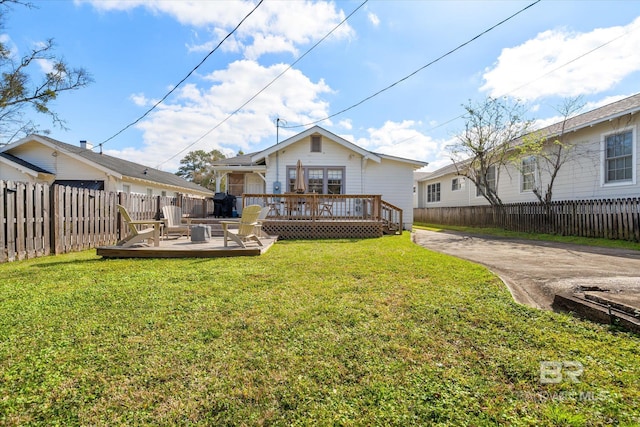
x=349, y=332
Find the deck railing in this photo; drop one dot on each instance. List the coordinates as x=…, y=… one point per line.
x=327, y=207
x=305, y=207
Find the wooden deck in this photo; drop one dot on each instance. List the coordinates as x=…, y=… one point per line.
x=184, y=248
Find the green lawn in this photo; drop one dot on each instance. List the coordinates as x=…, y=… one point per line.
x=348, y=332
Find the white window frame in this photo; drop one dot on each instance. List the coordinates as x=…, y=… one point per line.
x=457, y=183
x=434, y=196
x=533, y=173
x=603, y=158
x=495, y=181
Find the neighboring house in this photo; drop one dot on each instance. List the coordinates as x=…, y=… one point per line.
x=332, y=165
x=604, y=164
x=417, y=177
x=40, y=159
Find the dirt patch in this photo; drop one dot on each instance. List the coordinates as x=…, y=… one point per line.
x=536, y=271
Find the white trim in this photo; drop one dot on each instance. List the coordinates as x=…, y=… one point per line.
x=535, y=174
x=603, y=157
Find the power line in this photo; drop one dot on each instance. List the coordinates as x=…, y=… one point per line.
x=418, y=70
x=183, y=80
x=234, y=112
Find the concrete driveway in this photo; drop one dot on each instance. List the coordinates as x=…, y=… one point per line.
x=536, y=271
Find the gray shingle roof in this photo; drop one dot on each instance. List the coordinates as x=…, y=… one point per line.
x=607, y=112
x=127, y=168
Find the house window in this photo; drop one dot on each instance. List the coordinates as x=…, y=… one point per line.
x=456, y=184
x=321, y=180
x=150, y=192
x=619, y=157
x=316, y=180
x=491, y=181
x=335, y=181
x=433, y=192
x=316, y=144
x=126, y=188
x=528, y=174
x=235, y=183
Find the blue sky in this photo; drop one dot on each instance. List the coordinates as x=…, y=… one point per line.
x=137, y=51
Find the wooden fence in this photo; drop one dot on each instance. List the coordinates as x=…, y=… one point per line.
x=38, y=220
x=609, y=218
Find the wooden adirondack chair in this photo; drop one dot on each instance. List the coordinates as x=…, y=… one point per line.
x=173, y=222
x=138, y=236
x=248, y=227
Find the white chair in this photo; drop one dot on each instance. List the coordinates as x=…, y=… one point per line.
x=173, y=222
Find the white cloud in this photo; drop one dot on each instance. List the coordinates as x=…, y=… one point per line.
x=566, y=64
x=139, y=99
x=273, y=27
x=202, y=114
x=345, y=124
x=373, y=18
x=400, y=140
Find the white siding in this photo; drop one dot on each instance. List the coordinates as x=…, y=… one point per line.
x=333, y=154
x=394, y=181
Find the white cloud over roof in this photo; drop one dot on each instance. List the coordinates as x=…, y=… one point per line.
x=565, y=63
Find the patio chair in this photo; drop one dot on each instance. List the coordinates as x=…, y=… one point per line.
x=135, y=235
x=264, y=212
x=248, y=227
x=173, y=222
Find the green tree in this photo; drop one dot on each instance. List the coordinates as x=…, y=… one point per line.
x=483, y=147
x=196, y=167
x=19, y=91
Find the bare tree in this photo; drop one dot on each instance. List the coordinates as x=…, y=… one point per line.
x=17, y=90
x=483, y=148
x=548, y=151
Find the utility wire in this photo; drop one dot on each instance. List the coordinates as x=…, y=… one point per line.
x=234, y=112
x=183, y=80
x=418, y=70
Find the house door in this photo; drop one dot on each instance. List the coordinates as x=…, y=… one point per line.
x=253, y=184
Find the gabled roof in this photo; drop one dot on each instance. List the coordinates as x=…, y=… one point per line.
x=312, y=131
x=258, y=158
x=23, y=165
x=112, y=165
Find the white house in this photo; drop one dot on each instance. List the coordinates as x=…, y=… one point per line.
x=40, y=159
x=604, y=164
x=331, y=164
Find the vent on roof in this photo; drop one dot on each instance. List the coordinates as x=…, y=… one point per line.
x=86, y=145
